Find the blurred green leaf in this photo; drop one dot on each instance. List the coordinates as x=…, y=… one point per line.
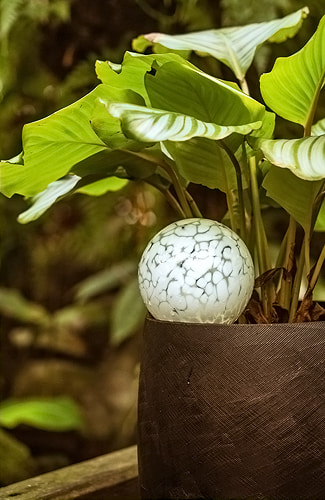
x=17, y=462
x=14, y=305
x=106, y=280
x=128, y=312
x=9, y=13
x=79, y=316
x=52, y=414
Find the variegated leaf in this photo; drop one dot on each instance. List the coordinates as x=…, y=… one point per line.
x=148, y=124
x=304, y=157
x=44, y=200
x=318, y=128
x=234, y=46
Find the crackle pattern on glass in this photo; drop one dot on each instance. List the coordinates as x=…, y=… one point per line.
x=196, y=270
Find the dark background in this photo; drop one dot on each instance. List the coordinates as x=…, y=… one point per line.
x=53, y=342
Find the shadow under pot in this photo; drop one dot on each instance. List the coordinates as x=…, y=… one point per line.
x=232, y=412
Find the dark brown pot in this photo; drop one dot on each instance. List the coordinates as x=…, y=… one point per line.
x=232, y=412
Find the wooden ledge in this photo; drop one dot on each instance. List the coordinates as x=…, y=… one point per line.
x=108, y=477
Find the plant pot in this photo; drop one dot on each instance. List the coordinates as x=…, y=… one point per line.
x=232, y=412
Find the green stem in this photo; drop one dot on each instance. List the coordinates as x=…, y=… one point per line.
x=307, y=249
x=173, y=202
x=313, y=107
x=304, y=257
x=259, y=227
x=317, y=269
x=180, y=191
x=297, y=284
x=240, y=190
x=267, y=290
x=317, y=205
x=286, y=279
x=281, y=254
x=194, y=208
x=244, y=86
x=230, y=205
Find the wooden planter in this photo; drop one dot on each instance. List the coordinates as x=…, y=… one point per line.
x=232, y=412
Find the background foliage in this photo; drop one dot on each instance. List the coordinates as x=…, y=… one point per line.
x=70, y=314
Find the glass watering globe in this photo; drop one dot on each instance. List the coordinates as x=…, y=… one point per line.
x=197, y=271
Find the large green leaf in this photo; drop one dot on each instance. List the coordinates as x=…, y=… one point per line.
x=202, y=161
x=191, y=104
x=292, y=88
x=295, y=195
x=102, y=172
x=235, y=46
x=12, y=178
x=96, y=175
x=10, y=171
x=54, y=145
x=304, y=157
x=106, y=171
x=109, y=130
x=196, y=105
x=187, y=90
x=130, y=74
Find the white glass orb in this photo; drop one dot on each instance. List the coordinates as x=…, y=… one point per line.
x=196, y=270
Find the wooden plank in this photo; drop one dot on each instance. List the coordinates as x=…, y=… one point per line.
x=111, y=476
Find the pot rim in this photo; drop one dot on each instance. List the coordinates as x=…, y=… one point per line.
x=184, y=324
